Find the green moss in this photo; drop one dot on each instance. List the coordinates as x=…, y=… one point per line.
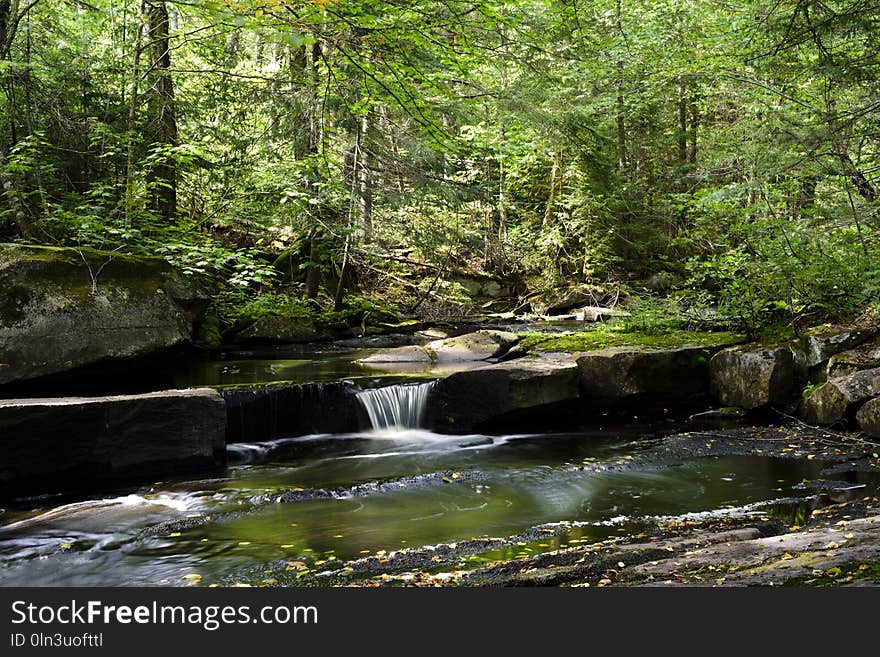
x=209, y=332
x=839, y=575
x=577, y=341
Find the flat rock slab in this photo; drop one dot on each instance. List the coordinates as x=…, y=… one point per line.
x=479, y=397
x=609, y=377
x=57, y=444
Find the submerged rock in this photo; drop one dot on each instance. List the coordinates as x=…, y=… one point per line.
x=840, y=398
x=868, y=418
x=752, y=377
x=61, y=308
x=59, y=443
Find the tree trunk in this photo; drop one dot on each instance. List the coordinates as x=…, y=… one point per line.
x=682, y=133
x=695, y=123
x=621, y=121
x=364, y=177
x=550, y=210
x=133, y=100
x=163, y=175
x=316, y=137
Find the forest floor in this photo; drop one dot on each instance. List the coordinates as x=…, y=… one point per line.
x=833, y=541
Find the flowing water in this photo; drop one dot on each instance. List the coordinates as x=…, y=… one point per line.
x=315, y=499
x=397, y=407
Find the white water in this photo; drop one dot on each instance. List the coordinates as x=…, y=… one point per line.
x=396, y=408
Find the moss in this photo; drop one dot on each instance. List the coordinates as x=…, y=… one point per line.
x=73, y=268
x=209, y=332
x=839, y=575
x=577, y=341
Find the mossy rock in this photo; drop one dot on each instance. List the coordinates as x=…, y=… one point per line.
x=62, y=308
x=583, y=341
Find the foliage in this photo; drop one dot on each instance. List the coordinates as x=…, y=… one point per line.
x=551, y=143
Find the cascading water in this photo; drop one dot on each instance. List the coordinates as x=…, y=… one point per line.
x=396, y=407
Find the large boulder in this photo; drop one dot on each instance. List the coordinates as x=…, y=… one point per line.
x=840, y=398
x=481, y=345
x=472, y=346
x=61, y=308
x=868, y=418
x=611, y=377
x=55, y=444
x=751, y=377
x=496, y=394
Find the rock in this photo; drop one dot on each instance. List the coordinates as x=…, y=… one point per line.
x=840, y=398
x=54, y=444
x=752, y=377
x=591, y=314
x=868, y=418
x=282, y=330
x=663, y=281
x=481, y=345
x=564, y=300
x=610, y=377
x=818, y=347
x=61, y=308
x=483, y=287
x=496, y=394
x=406, y=354
x=471, y=346
x=864, y=357
x=267, y=411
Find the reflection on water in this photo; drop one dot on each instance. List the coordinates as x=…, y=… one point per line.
x=315, y=499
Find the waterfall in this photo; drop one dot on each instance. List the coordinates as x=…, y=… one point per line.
x=396, y=407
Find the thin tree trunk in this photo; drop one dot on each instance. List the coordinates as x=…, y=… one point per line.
x=364, y=177
x=621, y=121
x=313, y=271
x=695, y=124
x=682, y=133
x=550, y=210
x=163, y=176
x=131, y=126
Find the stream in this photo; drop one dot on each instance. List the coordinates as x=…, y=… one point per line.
x=320, y=500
